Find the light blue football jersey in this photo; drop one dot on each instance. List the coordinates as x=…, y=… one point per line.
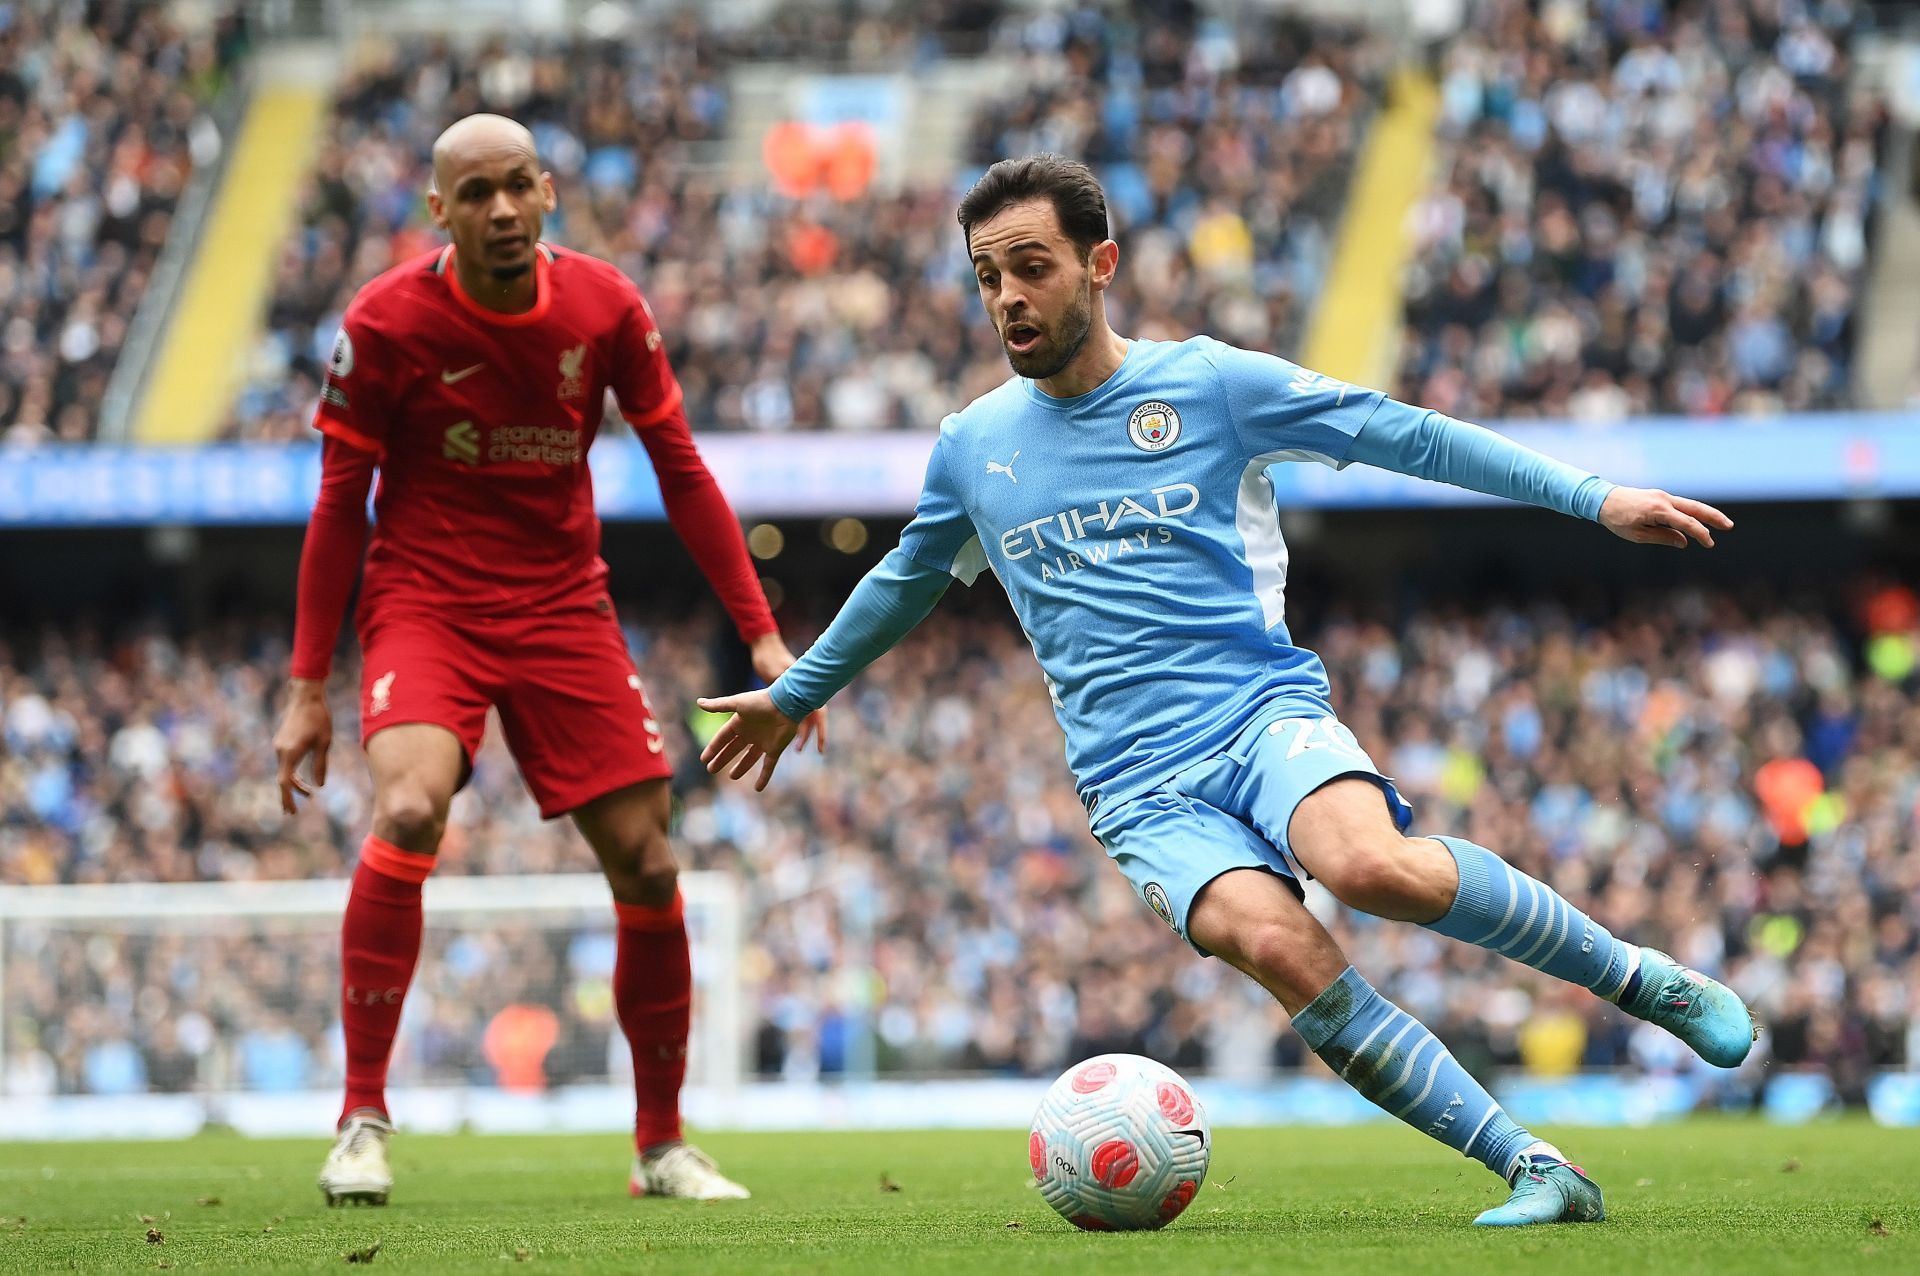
x=1135, y=531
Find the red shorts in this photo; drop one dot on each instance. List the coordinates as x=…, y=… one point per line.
x=576, y=717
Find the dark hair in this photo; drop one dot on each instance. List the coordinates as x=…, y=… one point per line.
x=1075, y=192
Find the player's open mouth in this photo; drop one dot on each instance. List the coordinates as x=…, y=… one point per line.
x=1022, y=337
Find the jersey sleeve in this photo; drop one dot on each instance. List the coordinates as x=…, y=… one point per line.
x=357, y=397
x=1431, y=445
x=942, y=535
x=1285, y=412
x=643, y=380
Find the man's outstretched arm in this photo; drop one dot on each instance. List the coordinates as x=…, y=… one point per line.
x=1432, y=445
x=884, y=607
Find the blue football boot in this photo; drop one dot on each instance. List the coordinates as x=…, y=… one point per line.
x=1703, y=1012
x=1547, y=1190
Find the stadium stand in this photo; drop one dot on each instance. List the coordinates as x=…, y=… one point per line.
x=1644, y=209
x=102, y=119
x=1641, y=209
x=1226, y=173
x=1734, y=775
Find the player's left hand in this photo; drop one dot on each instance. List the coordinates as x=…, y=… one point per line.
x=1648, y=516
x=771, y=659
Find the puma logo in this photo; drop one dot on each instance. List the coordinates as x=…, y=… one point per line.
x=994, y=467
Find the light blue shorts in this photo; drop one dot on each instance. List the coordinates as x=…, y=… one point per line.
x=1232, y=811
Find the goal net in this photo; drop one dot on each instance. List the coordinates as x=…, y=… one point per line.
x=169, y=1006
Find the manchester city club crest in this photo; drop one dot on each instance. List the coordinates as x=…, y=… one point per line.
x=1157, y=901
x=1154, y=426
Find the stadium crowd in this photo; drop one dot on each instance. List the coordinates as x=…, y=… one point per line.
x=1736, y=777
x=1645, y=208
x=103, y=117
x=1226, y=162
x=1642, y=208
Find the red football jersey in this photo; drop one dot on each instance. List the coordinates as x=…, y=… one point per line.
x=482, y=422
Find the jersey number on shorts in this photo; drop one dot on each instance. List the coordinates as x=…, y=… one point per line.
x=1318, y=733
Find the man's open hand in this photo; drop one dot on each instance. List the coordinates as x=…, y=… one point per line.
x=306, y=730
x=1648, y=516
x=757, y=732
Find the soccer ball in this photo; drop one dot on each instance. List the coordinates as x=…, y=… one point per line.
x=1119, y=1144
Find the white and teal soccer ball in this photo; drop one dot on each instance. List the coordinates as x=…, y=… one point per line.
x=1119, y=1144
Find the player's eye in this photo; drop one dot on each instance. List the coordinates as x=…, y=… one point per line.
x=989, y=281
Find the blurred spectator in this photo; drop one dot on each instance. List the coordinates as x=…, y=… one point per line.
x=1644, y=208
x=273, y=1056
x=1226, y=161
x=102, y=121
x=516, y=1043
x=939, y=862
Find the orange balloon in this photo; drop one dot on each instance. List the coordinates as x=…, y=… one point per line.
x=850, y=160
x=788, y=150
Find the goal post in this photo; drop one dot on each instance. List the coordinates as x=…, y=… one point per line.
x=230, y=990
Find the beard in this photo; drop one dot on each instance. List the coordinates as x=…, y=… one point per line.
x=1050, y=358
x=507, y=274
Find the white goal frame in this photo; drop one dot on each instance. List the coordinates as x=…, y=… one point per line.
x=713, y=902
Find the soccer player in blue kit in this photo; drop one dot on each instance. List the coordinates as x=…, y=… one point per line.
x=1119, y=491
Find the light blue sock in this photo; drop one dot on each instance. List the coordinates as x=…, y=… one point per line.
x=1389, y=1056
x=1506, y=912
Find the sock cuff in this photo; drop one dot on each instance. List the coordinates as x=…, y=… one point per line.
x=388, y=860
x=1466, y=917
x=1333, y=1009
x=651, y=917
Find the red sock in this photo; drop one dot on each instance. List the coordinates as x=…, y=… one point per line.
x=379, y=944
x=653, y=995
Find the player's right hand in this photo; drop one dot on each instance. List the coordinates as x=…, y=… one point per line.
x=757, y=732
x=306, y=729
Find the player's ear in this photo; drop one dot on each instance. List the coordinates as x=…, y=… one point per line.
x=548, y=199
x=1102, y=263
x=437, y=206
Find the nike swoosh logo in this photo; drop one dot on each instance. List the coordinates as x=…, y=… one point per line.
x=1195, y=1134
x=448, y=378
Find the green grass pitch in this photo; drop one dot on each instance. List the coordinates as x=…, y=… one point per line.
x=1707, y=1196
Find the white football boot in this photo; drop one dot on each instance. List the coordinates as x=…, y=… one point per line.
x=356, y=1170
x=686, y=1172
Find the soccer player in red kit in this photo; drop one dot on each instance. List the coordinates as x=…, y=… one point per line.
x=473, y=379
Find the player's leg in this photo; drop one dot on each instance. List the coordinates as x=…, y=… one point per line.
x=577, y=719
x=1229, y=891
x=1348, y=838
x=652, y=985
x=423, y=709
x=416, y=768
x=1256, y=923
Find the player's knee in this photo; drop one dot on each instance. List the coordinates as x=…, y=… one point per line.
x=410, y=816
x=654, y=886
x=644, y=872
x=1268, y=951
